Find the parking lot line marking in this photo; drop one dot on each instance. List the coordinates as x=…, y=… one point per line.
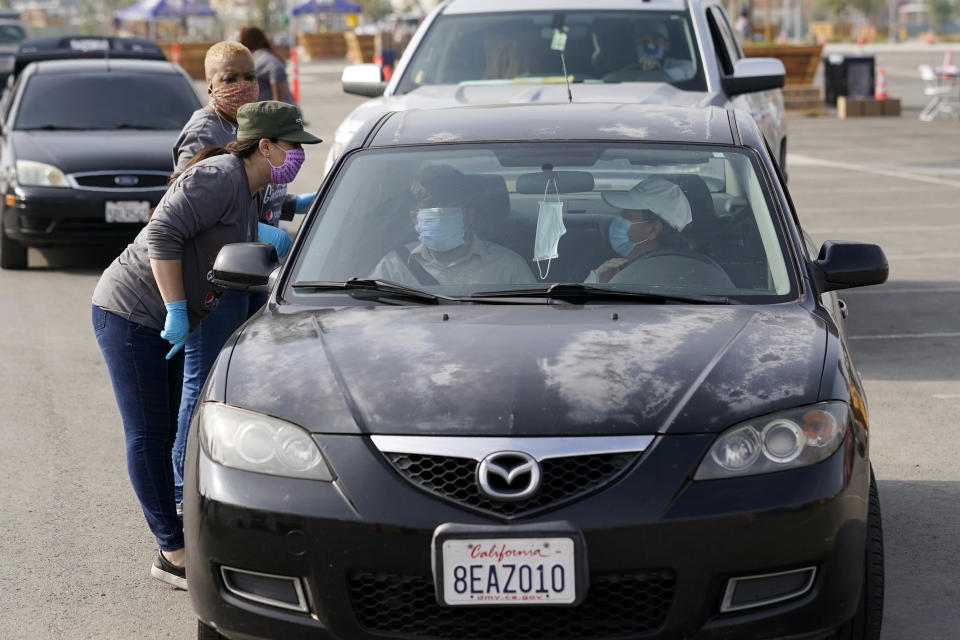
x=912, y=229
x=807, y=161
x=946, y=396
x=900, y=292
x=902, y=336
x=923, y=256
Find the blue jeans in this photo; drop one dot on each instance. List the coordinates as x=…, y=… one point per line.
x=201, y=351
x=147, y=389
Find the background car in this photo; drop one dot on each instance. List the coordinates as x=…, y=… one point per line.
x=86, y=150
x=11, y=34
x=679, y=452
x=508, y=52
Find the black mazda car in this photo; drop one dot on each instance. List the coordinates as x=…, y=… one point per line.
x=541, y=372
x=86, y=150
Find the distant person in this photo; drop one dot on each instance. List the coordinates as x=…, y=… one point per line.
x=742, y=25
x=448, y=251
x=271, y=71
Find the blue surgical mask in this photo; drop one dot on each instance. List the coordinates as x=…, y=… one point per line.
x=651, y=50
x=619, y=235
x=441, y=229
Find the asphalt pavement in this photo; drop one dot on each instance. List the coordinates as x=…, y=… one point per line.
x=74, y=549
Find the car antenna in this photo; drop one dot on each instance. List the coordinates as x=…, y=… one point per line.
x=563, y=61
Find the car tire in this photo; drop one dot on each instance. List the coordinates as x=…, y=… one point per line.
x=206, y=632
x=13, y=255
x=866, y=623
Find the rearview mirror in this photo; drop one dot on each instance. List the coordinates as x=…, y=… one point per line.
x=842, y=265
x=363, y=80
x=754, y=74
x=247, y=266
x=566, y=182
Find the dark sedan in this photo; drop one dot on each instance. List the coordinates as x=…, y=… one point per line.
x=87, y=151
x=541, y=372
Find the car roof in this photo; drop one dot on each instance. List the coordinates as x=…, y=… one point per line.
x=503, y=6
x=100, y=65
x=545, y=122
x=78, y=47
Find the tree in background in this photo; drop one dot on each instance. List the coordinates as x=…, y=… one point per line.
x=377, y=9
x=941, y=12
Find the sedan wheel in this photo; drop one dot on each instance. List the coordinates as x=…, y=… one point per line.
x=206, y=632
x=13, y=255
x=865, y=625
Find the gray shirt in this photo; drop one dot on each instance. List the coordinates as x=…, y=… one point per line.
x=270, y=69
x=486, y=263
x=207, y=207
x=203, y=129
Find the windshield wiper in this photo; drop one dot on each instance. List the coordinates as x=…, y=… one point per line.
x=384, y=288
x=52, y=127
x=580, y=291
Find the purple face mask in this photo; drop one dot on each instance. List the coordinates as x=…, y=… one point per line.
x=287, y=171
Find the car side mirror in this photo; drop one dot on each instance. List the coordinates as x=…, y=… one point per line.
x=842, y=265
x=754, y=74
x=363, y=80
x=247, y=266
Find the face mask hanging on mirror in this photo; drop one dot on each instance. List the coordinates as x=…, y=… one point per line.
x=549, y=229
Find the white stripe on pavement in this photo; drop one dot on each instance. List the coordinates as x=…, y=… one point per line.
x=807, y=161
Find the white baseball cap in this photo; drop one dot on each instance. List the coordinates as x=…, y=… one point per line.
x=662, y=197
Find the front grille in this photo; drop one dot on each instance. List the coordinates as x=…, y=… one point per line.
x=562, y=480
x=108, y=180
x=617, y=605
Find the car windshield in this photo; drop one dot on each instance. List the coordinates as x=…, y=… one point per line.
x=470, y=219
x=106, y=100
x=10, y=34
x=598, y=46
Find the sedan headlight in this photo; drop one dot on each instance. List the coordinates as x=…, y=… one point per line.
x=785, y=440
x=39, y=174
x=256, y=442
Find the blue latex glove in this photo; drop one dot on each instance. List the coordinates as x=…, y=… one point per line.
x=176, y=327
x=277, y=237
x=303, y=202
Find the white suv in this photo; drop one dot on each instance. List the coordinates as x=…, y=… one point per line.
x=678, y=52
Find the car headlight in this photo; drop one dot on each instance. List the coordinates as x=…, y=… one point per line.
x=39, y=174
x=256, y=442
x=785, y=440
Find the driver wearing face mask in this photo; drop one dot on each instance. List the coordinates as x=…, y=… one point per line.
x=652, y=46
x=448, y=251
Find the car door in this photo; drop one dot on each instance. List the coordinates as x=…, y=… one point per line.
x=766, y=107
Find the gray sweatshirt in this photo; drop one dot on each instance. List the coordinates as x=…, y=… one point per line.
x=207, y=207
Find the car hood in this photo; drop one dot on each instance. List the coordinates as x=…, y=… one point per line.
x=74, y=151
x=526, y=369
x=439, y=96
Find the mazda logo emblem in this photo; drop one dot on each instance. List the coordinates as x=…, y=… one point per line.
x=126, y=181
x=509, y=475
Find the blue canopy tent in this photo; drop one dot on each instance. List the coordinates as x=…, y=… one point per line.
x=152, y=11
x=326, y=6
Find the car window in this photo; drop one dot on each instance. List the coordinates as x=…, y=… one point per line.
x=717, y=233
x=11, y=34
x=105, y=100
x=602, y=46
x=726, y=34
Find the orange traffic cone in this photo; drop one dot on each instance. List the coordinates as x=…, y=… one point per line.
x=822, y=40
x=947, y=58
x=930, y=37
x=880, y=92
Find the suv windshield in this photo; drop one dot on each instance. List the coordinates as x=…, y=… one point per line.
x=470, y=219
x=601, y=46
x=10, y=34
x=105, y=100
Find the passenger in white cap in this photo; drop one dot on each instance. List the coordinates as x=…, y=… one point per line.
x=654, y=212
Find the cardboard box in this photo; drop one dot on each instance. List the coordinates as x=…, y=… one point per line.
x=849, y=107
x=866, y=107
x=891, y=107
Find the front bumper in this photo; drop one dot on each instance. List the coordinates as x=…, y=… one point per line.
x=658, y=558
x=46, y=216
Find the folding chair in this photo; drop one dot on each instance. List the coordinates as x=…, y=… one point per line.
x=944, y=95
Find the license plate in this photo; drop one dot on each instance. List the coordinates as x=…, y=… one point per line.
x=508, y=571
x=128, y=211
